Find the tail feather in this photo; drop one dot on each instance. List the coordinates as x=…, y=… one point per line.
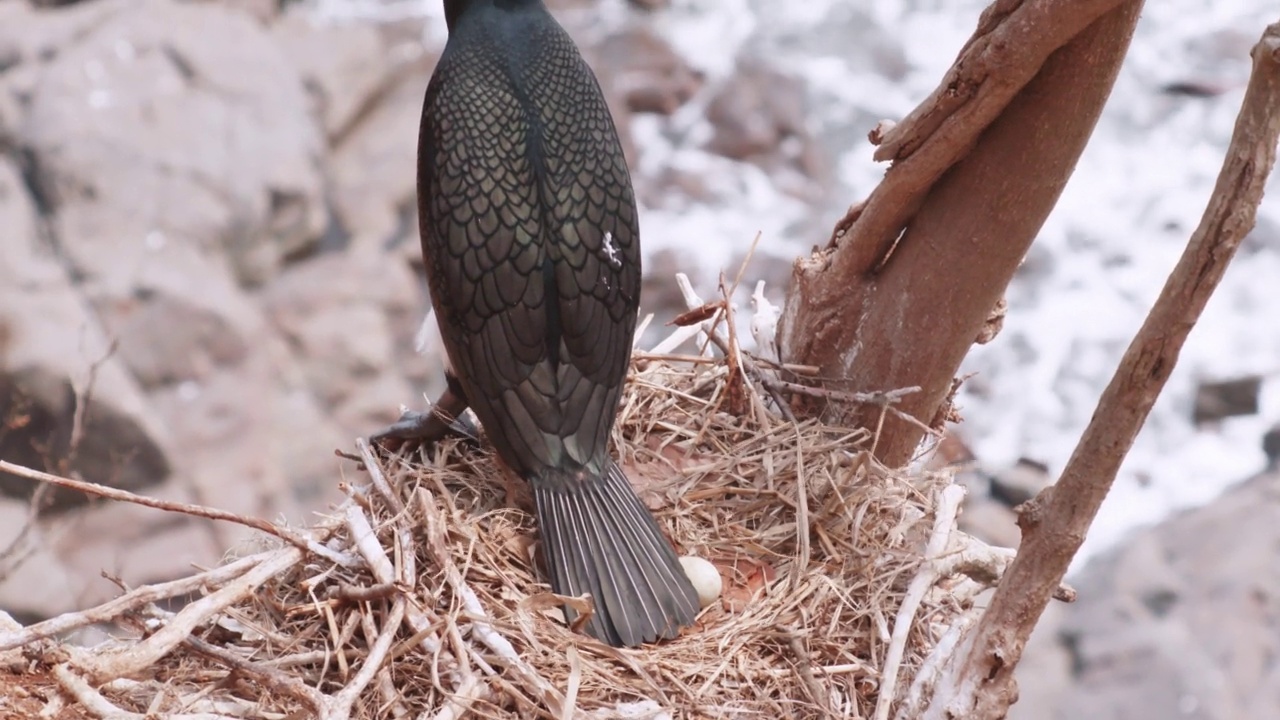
x=677, y=594
x=598, y=538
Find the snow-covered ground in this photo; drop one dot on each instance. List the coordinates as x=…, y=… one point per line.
x=1099, y=263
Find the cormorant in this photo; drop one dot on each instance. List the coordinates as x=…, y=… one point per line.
x=532, y=249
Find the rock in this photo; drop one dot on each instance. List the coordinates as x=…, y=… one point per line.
x=1271, y=447
x=225, y=424
x=660, y=295
x=557, y=5
x=1182, y=620
x=1044, y=673
x=161, y=187
x=376, y=403
x=344, y=65
x=1228, y=398
x=645, y=72
x=767, y=264
x=50, y=346
x=1018, y=484
x=33, y=583
x=137, y=544
x=952, y=451
x=991, y=522
x=1198, y=88
x=264, y=11
x=29, y=36
x=373, y=167
x=652, y=191
x=758, y=115
x=351, y=316
x=305, y=438
x=755, y=110
x=145, y=116
x=184, y=318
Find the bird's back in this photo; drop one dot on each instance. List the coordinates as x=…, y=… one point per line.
x=530, y=239
x=530, y=235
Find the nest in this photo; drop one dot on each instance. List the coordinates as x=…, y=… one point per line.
x=421, y=596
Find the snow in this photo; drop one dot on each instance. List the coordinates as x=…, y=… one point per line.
x=1093, y=273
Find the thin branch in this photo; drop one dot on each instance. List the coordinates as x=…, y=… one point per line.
x=459, y=703
x=90, y=699
x=366, y=541
x=574, y=682
x=884, y=399
x=13, y=556
x=422, y=623
x=132, y=600
x=804, y=552
x=340, y=705
x=481, y=627
x=269, y=675
x=986, y=565
x=944, y=523
x=127, y=661
x=84, y=399
x=201, y=511
x=1054, y=524
x=99, y=706
x=804, y=669
x=363, y=593
x=939, y=659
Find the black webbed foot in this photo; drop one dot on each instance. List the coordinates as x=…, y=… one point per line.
x=445, y=419
x=416, y=428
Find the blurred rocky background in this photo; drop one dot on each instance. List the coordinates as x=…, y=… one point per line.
x=208, y=231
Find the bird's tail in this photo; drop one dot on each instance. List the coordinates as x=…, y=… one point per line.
x=598, y=538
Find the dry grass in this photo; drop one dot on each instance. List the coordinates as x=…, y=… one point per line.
x=426, y=601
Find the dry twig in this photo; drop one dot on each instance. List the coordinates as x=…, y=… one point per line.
x=201, y=511
x=944, y=524
x=129, y=602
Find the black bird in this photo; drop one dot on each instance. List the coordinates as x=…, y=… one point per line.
x=532, y=248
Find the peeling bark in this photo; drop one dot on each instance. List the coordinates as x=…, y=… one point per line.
x=909, y=279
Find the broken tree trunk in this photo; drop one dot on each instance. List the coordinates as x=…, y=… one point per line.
x=912, y=275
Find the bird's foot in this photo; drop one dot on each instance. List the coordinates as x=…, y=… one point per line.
x=415, y=429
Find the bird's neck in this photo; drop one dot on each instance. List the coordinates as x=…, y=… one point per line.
x=454, y=10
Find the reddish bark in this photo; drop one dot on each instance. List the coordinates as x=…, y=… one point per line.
x=898, y=299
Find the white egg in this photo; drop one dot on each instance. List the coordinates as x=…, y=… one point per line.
x=705, y=578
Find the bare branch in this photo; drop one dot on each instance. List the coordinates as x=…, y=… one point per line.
x=133, y=600
x=111, y=664
x=340, y=705
x=944, y=523
x=1010, y=45
x=201, y=511
x=980, y=684
x=84, y=399
x=269, y=675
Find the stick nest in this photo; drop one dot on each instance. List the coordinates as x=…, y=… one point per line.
x=421, y=596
